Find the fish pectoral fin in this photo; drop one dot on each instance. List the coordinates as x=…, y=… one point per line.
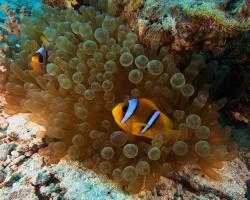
x=141, y=125
x=136, y=127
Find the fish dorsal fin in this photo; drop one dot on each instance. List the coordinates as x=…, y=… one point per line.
x=148, y=103
x=151, y=121
x=132, y=105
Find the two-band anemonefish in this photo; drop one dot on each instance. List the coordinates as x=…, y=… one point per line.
x=141, y=117
x=39, y=59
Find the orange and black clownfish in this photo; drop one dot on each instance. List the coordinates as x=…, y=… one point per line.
x=39, y=59
x=141, y=117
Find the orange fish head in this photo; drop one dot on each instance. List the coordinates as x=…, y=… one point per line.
x=35, y=59
x=118, y=114
x=35, y=64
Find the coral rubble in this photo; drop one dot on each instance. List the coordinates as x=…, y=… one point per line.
x=94, y=62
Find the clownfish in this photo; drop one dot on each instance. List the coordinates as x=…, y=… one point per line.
x=141, y=117
x=39, y=58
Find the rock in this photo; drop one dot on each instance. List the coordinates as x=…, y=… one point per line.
x=25, y=129
x=2, y=176
x=17, y=161
x=78, y=180
x=234, y=176
x=19, y=191
x=15, y=154
x=5, y=149
x=245, y=155
x=4, y=124
x=43, y=177
x=1, y=134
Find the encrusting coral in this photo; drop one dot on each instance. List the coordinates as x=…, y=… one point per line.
x=95, y=62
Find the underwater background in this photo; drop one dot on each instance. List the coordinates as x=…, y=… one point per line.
x=60, y=138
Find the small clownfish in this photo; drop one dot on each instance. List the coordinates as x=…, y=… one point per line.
x=39, y=59
x=141, y=117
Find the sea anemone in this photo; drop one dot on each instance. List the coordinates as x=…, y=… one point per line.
x=95, y=62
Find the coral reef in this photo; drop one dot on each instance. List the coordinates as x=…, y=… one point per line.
x=186, y=25
x=239, y=9
x=61, y=3
x=10, y=14
x=9, y=32
x=12, y=23
x=94, y=63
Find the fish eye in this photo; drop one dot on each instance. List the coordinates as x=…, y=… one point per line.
x=124, y=108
